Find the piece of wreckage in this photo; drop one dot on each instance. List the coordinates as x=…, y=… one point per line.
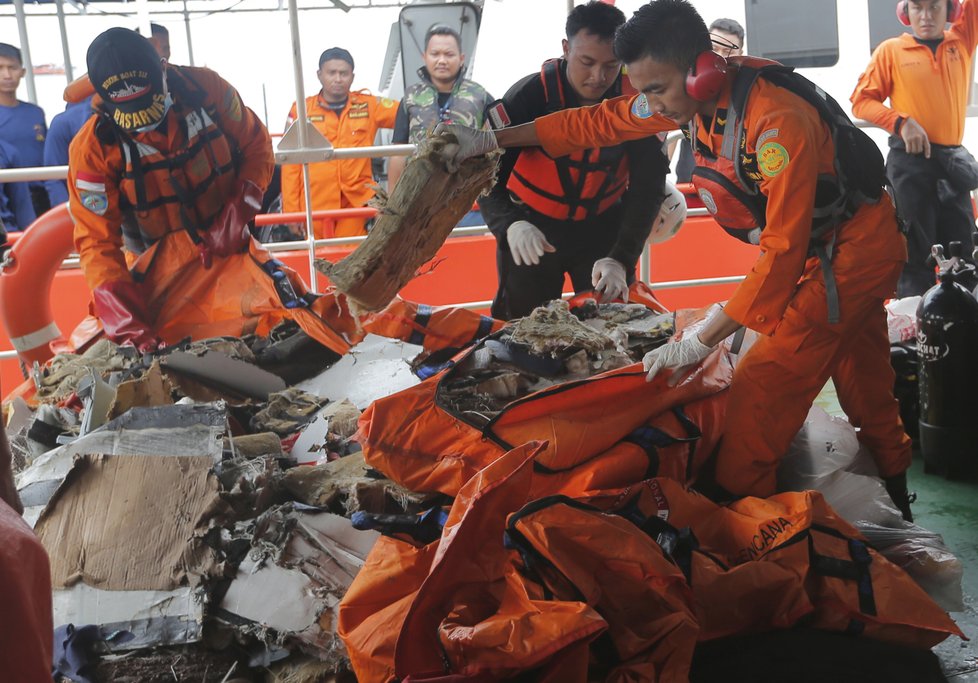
x=255, y=528
x=241, y=523
x=254, y=554
x=268, y=542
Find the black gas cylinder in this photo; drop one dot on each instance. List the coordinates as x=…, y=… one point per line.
x=963, y=267
x=947, y=347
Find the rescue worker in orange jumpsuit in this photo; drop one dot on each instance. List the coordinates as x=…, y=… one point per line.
x=926, y=77
x=346, y=119
x=784, y=147
x=586, y=214
x=172, y=167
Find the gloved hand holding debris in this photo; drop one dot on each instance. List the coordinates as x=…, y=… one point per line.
x=469, y=142
x=230, y=234
x=527, y=243
x=609, y=280
x=675, y=356
x=123, y=310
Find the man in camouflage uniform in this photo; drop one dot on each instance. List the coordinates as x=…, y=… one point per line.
x=442, y=95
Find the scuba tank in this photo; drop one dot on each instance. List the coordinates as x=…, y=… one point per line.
x=947, y=346
x=964, y=270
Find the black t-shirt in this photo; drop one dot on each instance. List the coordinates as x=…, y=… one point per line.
x=932, y=43
x=647, y=169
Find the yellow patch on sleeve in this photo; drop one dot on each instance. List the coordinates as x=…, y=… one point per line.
x=772, y=158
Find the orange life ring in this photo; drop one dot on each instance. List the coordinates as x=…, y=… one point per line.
x=25, y=284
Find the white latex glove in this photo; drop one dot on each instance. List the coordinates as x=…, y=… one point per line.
x=468, y=142
x=608, y=279
x=675, y=356
x=527, y=244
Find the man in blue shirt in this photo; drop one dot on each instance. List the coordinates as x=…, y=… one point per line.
x=60, y=134
x=22, y=123
x=16, y=208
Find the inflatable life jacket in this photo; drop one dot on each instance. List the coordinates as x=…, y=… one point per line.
x=573, y=187
x=183, y=193
x=728, y=182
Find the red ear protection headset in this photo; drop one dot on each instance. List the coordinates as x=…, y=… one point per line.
x=707, y=76
x=903, y=12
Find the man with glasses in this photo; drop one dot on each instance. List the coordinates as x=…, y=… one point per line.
x=925, y=76
x=727, y=37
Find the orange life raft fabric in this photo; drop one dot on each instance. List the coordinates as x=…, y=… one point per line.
x=638, y=575
x=460, y=600
x=758, y=564
x=590, y=428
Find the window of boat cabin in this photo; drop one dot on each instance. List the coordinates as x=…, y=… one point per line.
x=773, y=31
x=883, y=24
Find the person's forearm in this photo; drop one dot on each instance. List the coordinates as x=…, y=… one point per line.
x=395, y=167
x=717, y=328
x=523, y=135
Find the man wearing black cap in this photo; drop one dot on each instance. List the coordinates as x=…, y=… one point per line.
x=346, y=119
x=172, y=168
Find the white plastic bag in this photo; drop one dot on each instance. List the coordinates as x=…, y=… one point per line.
x=824, y=445
x=825, y=456
x=923, y=555
x=901, y=319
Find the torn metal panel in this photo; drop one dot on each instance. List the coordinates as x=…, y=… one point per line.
x=338, y=419
x=292, y=610
x=98, y=398
x=221, y=370
x=307, y=561
x=374, y=368
x=153, y=617
x=168, y=417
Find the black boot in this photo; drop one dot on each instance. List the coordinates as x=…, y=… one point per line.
x=896, y=487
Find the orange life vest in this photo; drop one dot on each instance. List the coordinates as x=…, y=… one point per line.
x=160, y=190
x=573, y=187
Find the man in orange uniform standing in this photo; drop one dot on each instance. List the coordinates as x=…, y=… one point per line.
x=926, y=76
x=172, y=168
x=784, y=148
x=346, y=119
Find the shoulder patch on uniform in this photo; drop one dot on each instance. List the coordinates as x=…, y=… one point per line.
x=96, y=202
x=498, y=116
x=767, y=135
x=640, y=107
x=232, y=104
x=387, y=102
x=772, y=158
